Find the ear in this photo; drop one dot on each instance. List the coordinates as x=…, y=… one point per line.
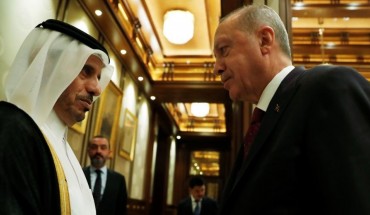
x=266, y=38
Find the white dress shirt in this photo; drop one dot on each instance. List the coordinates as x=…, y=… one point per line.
x=194, y=203
x=271, y=88
x=103, y=175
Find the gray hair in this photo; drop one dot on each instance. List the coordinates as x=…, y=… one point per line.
x=249, y=18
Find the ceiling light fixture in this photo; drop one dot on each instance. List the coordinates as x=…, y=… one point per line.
x=199, y=109
x=178, y=26
x=98, y=12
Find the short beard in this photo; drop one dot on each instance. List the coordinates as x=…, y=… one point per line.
x=96, y=162
x=81, y=117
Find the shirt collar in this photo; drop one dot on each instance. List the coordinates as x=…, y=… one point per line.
x=192, y=198
x=271, y=88
x=103, y=169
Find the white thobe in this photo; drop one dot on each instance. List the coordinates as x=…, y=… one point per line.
x=80, y=195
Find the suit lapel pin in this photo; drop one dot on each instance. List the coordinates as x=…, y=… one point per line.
x=277, y=108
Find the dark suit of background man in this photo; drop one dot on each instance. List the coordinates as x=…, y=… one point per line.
x=114, y=194
x=197, y=190
x=312, y=152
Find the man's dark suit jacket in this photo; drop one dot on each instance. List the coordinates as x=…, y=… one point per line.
x=312, y=152
x=208, y=207
x=114, y=200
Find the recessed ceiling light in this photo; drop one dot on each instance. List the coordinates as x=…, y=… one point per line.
x=140, y=78
x=123, y=51
x=98, y=12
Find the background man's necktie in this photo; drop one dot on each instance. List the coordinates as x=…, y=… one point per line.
x=197, y=208
x=253, y=129
x=97, y=188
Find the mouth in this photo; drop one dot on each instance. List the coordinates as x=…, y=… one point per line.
x=98, y=156
x=224, y=80
x=224, y=77
x=86, y=102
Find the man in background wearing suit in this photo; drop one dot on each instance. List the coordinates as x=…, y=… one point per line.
x=197, y=203
x=108, y=186
x=311, y=154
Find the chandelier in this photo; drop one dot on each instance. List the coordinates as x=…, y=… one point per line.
x=178, y=26
x=199, y=109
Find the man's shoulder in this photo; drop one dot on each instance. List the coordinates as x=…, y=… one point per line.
x=326, y=78
x=115, y=173
x=9, y=110
x=330, y=71
x=208, y=199
x=184, y=201
x=16, y=120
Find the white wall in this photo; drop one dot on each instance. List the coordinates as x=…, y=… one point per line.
x=141, y=150
x=18, y=18
x=171, y=172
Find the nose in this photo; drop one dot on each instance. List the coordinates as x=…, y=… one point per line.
x=93, y=87
x=218, y=69
x=99, y=150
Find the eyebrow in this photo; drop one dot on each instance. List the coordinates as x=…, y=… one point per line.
x=216, y=47
x=221, y=41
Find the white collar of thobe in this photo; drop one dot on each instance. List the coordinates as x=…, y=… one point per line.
x=57, y=126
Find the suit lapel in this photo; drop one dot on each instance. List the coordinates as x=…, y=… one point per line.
x=86, y=171
x=277, y=106
x=189, y=206
x=229, y=187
